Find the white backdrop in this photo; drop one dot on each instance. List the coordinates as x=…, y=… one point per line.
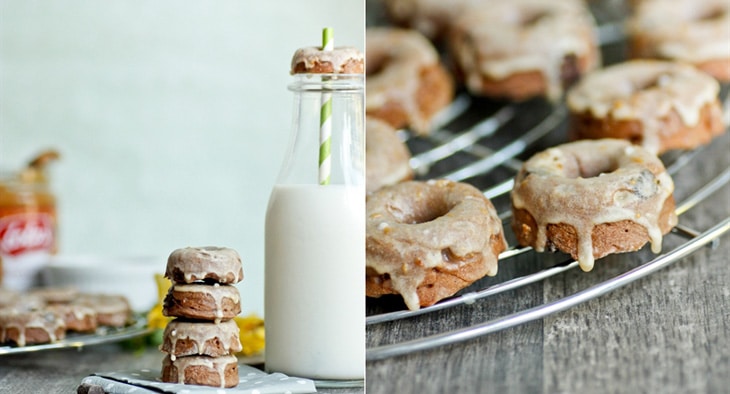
x=171, y=116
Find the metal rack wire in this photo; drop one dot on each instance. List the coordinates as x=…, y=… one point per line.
x=435, y=157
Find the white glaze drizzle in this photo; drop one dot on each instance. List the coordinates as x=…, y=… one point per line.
x=199, y=333
x=624, y=183
x=215, y=365
x=218, y=293
x=406, y=52
x=467, y=228
x=692, y=31
x=338, y=57
x=500, y=41
x=645, y=90
x=197, y=262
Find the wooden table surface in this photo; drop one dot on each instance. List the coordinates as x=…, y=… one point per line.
x=668, y=332
x=61, y=370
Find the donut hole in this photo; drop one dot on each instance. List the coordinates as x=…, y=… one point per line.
x=591, y=167
x=711, y=14
x=529, y=19
x=376, y=63
x=421, y=211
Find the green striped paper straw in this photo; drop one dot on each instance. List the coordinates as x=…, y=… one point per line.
x=325, y=120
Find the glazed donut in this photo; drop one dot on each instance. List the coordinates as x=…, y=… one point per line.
x=520, y=49
x=593, y=198
x=220, y=265
x=111, y=310
x=314, y=60
x=77, y=318
x=202, y=302
x=656, y=104
x=188, y=338
x=432, y=18
x=691, y=31
x=386, y=156
x=201, y=370
x=406, y=83
x=30, y=327
x=55, y=295
x=428, y=240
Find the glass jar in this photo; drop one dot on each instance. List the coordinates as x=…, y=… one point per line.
x=28, y=228
x=315, y=239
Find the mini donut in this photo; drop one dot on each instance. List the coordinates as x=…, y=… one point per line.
x=220, y=265
x=77, y=317
x=428, y=240
x=696, y=32
x=656, y=104
x=188, y=338
x=201, y=370
x=406, y=83
x=202, y=302
x=340, y=60
x=55, y=295
x=111, y=310
x=521, y=49
x=386, y=156
x=593, y=198
x=30, y=327
x=432, y=18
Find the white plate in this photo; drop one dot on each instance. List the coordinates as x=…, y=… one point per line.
x=72, y=340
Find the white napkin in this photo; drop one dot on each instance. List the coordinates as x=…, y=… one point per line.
x=251, y=381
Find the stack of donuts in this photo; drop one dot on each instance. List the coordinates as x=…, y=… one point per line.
x=201, y=341
x=605, y=191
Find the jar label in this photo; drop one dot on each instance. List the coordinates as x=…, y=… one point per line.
x=21, y=233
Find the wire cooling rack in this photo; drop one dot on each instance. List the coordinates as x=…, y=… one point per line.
x=483, y=143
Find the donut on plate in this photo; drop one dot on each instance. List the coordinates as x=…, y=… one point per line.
x=659, y=105
x=216, y=264
x=696, y=32
x=520, y=49
x=428, y=240
x=111, y=310
x=78, y=318
x=406, y=83
x=386, y=156
x=593, y=198
x=30, y=327
x=201, y=370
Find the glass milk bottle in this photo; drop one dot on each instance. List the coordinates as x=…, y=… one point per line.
x=315, y=239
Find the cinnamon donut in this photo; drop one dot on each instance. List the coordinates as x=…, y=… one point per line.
x=188, y=338
x=386, y=156
x=220, y=265
x=520, y=49
x=406, y=83
x=428, y=240
x=315, y=60
x=201, y=370
x=696, y=32
x=111, y=310
x=77, y=317
x=656, y=104
x=432, y=18
x=30, y=327
x=202, y=302
x=593, y=198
